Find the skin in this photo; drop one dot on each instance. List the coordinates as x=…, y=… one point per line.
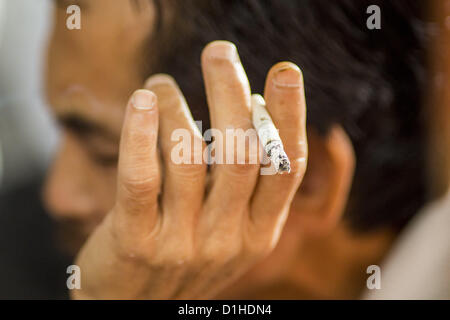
x=151, y=229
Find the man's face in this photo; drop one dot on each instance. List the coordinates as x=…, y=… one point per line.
x=91, y=73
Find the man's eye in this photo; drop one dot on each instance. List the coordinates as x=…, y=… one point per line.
x=106, y=160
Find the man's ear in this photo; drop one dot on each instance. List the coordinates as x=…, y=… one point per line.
x=323, y=194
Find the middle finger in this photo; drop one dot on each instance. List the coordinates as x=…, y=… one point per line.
x=228, y=94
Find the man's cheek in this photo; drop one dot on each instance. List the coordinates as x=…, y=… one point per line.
x=105, y=187
x=68, y=191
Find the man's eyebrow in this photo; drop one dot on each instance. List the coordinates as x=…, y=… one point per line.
x=86, y=127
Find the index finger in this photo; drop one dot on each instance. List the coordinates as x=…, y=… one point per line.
x=138, y=172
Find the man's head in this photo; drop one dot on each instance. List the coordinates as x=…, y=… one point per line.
x=364, y=90
x=370, y=82
x=91, y=73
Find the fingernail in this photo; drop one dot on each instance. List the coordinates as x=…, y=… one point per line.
x=288, y=76
x=222, y=50
x=143, y=100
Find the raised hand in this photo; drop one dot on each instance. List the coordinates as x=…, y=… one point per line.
x=171, y=235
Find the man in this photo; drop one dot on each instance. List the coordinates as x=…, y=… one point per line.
x=150, y=229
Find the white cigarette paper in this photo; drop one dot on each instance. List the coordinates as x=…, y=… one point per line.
x=268, y=135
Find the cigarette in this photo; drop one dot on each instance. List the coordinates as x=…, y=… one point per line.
x=268, y=135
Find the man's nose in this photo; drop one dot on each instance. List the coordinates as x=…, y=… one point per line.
x=68, y=193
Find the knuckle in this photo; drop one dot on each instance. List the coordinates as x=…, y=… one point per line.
x=239, y=172
x=220, y=253
x=191, y=164
x=129, y=247
x=142, y=142
x=290, y=114
x=126, y=245
x=242, y=158
x=233, y=85
x=298, y=156
x=260, y=248
x=188, y=171
x=259, y=241
x=137, y=187
x=298, y=166
x=179, y=256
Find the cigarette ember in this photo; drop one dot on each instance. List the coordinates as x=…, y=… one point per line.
x=268, y=135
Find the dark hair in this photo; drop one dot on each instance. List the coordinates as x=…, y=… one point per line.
x=371, y=82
